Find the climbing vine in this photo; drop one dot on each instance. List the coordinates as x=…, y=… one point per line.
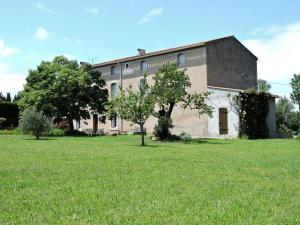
x=254, y=108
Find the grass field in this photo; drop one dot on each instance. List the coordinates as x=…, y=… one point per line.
x=112, y=180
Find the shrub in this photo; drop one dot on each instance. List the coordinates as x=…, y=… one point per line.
x=284, y=132
x=185, y=137
x=34, y=122
x=162, y=128
x=2, y=120
x=9, y=111
x=75, y=133
x=16, y=131
x=55, y=132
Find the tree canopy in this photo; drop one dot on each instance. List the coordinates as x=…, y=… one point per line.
x=134, y=106
x=64, y=89
x=263, y=86
x=171, y=88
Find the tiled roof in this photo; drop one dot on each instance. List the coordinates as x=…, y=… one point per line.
x=169, y=50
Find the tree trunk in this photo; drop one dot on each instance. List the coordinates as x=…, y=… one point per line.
x=170, y=110
x=142, y=134
x=71, y=125
x=37, y=137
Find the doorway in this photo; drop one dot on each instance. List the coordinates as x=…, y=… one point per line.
x=95, y=123
x=223, y=121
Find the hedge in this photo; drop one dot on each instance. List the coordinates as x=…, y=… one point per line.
x=9, y=111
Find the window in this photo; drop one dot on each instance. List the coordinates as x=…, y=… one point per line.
x=113, y=70
x=143, y=66
x=180, y=59
x=114, y=90
x=126, y=66
x=113, y=122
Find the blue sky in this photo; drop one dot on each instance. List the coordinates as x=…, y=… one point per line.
x=31, y=31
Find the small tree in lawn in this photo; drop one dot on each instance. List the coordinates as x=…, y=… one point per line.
x=170, y=89
x=34, y=122
x=133, y=106
x=295, y=96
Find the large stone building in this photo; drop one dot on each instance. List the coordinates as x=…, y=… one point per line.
x=222, y=66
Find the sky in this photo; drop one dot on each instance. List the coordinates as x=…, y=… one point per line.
x=98, y=30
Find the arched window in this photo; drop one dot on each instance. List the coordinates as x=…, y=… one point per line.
x=114, y=90
x=181, y=59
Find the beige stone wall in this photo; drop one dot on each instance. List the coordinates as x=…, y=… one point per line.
x=183, y=120
x=224, y=63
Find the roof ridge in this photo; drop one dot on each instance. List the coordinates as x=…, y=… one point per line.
x=163, y=51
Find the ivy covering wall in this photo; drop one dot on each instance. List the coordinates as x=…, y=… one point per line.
x=254, y=108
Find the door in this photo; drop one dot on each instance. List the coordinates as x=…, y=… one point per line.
x=95, y=123
x=223, y=121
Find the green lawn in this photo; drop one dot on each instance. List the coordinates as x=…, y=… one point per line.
x=112, y=180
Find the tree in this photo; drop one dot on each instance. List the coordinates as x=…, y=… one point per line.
x=286, y=117
x=64, y=89
x=2, y=97
x=133, y=106
x=170, y=89
x=8, y=97
x=295, y=95
x=34, y=122
x=263, y=86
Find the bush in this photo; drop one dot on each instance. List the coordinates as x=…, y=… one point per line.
x=16, y=131
x=162, y=128
x=2, y=120
x=55, y=132
x=284, y=132
x=9, y=111
x=75, y=133
x=185, y=137
x=34, y=122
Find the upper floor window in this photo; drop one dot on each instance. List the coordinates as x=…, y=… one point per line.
x=113, y=70
x=181, y=59
x=143, y=66
x=114, y=89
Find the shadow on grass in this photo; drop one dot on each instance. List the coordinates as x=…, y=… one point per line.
x=41, y=139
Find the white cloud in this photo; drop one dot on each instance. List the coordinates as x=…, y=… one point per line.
x=10, y=82
x=43, y=8
x=149, y=16
x=41, y=33
x=278, y=49
x=92, y=10
x=7, y=51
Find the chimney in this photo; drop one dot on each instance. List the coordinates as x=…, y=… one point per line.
x=141, y=51
x=84, y=63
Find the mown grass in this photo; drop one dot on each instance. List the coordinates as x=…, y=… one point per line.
x=112, y=180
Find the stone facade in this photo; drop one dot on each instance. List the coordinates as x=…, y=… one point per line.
x=223, y=62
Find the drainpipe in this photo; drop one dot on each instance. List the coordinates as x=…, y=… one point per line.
x=121, y=87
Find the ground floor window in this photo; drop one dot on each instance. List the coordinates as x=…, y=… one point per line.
x=223, y=121
x=113, y=122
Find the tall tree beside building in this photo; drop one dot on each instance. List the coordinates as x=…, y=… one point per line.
x=133, y=106
x=63, y=89
x=263, y=86
x=295, y=95
x=171, y=88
